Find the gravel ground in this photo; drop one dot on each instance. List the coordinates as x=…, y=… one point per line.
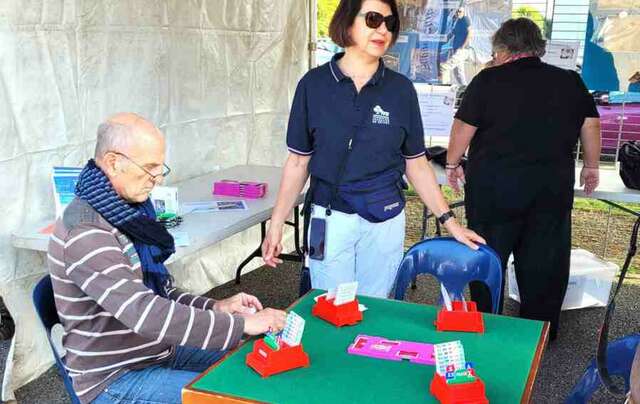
x=563, y=361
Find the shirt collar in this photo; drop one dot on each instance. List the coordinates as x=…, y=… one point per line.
x=339, y=76
x=526, y=60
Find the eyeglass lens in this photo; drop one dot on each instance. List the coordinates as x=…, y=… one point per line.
x=374, y=20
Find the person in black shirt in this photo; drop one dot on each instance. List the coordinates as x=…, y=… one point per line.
x=521, y=120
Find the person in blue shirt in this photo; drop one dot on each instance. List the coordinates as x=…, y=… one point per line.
x=355, y=129
x=459, y=36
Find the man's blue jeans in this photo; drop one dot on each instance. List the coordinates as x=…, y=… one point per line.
x=159, y=384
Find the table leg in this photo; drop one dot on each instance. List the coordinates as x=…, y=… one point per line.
x=425, y=217
x=297, y=257
x=606, y=233
x=255, y=254
x=296, y=230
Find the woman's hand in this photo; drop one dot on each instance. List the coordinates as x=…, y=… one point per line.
x=455, y=177
x=590, y=178
x=272, y=245
x=466, y=236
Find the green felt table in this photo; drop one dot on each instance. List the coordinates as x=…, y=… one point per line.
x=505, y=356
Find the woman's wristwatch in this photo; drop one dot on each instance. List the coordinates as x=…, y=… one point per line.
x=446, y=216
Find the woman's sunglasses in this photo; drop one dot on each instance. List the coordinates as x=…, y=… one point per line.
x=374, y=20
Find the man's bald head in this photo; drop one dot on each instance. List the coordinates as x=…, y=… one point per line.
x=130, y=150
x=122, y=131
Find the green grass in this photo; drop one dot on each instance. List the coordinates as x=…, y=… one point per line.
x=594, y=205
x=580, y=204
x=449, y=195
x=588, y=204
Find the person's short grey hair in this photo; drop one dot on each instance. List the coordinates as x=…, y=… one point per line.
x=112, y=137
x=519, y=35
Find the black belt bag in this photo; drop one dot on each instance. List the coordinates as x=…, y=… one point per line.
x=629, y=157
x=377, y=199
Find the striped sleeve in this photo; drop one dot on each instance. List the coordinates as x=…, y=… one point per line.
x=96, y=263
x=182, y=297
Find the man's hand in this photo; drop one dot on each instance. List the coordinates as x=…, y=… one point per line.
x=242, y=303
x=264, y=321
x=466, y=236
x=590, y=178
x=455, y=177
x=272, y=246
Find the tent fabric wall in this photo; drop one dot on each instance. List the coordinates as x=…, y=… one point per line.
x=217, y=76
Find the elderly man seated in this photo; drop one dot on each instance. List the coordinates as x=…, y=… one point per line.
x=130, y=336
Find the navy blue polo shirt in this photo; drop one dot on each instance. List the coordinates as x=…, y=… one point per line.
x=382, y=123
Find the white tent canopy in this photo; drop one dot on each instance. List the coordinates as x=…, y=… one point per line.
x=217, y=76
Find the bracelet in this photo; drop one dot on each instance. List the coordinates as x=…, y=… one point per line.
x=449, y=166
x=446, y=216
x=591, y=168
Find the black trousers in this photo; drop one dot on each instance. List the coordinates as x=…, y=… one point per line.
x=541, y=246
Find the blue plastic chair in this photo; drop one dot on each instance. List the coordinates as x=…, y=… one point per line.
x=46, y=309
x=619, y=360
x=453, y=264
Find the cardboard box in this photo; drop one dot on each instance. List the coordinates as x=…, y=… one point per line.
x=590, y=281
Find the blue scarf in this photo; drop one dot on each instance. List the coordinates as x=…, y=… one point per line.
x=152, y=241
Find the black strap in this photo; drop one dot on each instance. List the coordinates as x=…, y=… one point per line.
x=305, y=275
x=336, y=184
x=306, y=215
x=601, y=354
x=308, y=201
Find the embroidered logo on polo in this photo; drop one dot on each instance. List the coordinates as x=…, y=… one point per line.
x=392, y=206
x=380, y=116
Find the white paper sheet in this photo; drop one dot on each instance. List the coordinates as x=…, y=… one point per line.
x=345, y=293
x=436, y=108
x=563, y=54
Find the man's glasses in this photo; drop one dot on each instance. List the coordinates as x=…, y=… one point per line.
x=165, y=168
x=374, y=19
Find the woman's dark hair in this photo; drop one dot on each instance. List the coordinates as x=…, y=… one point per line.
x=345, y=15
x=520, y=35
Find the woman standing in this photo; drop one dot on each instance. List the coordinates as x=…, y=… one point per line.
x=521, y=120
x=355, y=127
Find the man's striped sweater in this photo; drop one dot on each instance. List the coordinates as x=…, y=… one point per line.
x=112, y=322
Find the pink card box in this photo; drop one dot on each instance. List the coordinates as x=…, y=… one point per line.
x=382, y=348
x=244, y=189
